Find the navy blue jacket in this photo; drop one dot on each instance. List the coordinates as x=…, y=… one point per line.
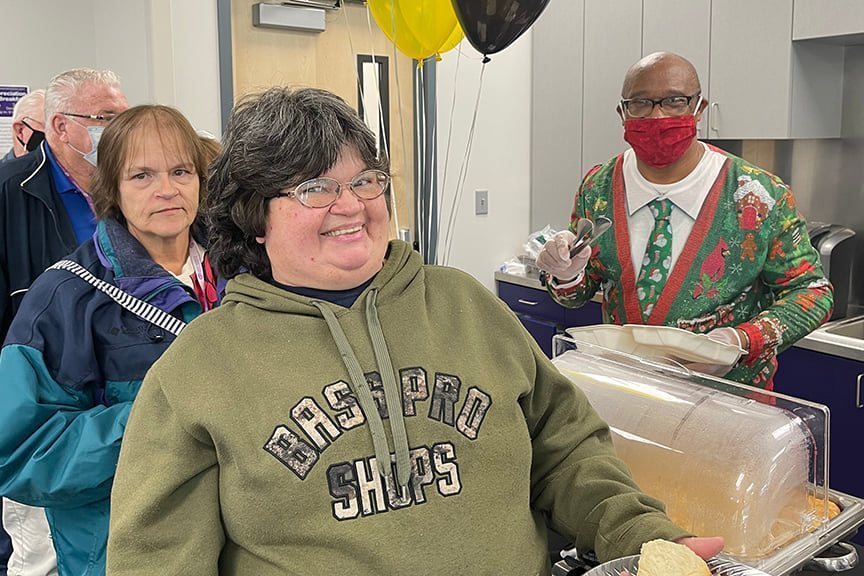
x=35, y=230
x=72, y=363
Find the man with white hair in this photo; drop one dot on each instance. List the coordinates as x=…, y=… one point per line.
x=28, y=124
x=45, y=213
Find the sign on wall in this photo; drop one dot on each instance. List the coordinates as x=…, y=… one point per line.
x=9, y=95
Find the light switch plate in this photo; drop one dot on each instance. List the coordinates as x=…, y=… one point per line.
x=481, y=202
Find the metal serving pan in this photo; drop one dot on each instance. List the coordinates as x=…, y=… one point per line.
x=805, y=550
x=800, y=553
x=718, y=566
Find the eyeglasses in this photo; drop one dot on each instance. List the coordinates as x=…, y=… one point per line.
x=107, y=118
x=323, y=192
x=671, y=105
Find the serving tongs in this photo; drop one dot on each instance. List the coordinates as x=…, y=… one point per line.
x=588, y=232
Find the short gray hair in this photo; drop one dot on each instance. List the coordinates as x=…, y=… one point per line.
x=64, y=86
x=275, y=140
x=31, y=105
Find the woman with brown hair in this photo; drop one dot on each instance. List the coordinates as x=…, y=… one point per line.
x=92, y=325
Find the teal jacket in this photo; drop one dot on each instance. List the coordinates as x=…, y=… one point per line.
x=72, y=363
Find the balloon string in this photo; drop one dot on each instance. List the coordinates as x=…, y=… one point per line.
x=401, y=118
x=468, y=56
x=354, y=62
x=381, y=121
x=420, y=215
x=423, y=168
x=432, y=170
x=463, y=174
x=399, y=100
x=377, y=84
x=449, y=137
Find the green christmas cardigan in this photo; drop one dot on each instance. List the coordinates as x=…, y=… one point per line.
x=748, y=263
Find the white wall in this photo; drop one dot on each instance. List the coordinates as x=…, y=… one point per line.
x=122, y=42
x=500, y=156
x=185, y=59
x=165, y=51
x=43, y=37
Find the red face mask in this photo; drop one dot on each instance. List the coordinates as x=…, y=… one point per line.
x=660, y=142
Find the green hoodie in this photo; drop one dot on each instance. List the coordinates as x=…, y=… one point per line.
x=253, y=447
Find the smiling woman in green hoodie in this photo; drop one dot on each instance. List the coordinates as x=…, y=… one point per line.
x=349, y=410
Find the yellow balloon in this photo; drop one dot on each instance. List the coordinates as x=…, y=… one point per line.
x=394, y=27
x=455, y=38
x=418, y=28
x=431, y=21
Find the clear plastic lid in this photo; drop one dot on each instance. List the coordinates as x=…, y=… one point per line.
x=726, y=459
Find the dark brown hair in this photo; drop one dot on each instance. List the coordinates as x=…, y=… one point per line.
x=275, y=140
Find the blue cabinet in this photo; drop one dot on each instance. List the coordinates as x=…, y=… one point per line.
x=531, y=302
x=541, y=330
x=588, y=315
x=835, y=382
x=541, y=315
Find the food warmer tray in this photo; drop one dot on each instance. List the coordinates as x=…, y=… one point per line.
x=786, y=561
x=801, y=552
x=718, y=566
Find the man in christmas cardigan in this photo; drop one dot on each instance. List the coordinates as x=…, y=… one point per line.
x=701, y=239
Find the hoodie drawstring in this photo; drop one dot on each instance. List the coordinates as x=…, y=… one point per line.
x=392, y=393
x=361, y=387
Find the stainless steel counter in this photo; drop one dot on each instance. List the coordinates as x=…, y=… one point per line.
x=519, y=280
x=843, y=338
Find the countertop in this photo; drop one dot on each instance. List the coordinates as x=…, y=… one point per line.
x=820, y=340
x=530, y=282
x=521, y=280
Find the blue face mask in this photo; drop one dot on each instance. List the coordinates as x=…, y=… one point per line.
x=95, y=133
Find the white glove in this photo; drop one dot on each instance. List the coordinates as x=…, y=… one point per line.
x=725, y=335
x=555, y=259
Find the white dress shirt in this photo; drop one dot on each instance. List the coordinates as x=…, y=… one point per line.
x=687, y=197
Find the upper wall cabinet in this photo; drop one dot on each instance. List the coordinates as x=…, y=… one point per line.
x=556, y=113
x=762, y=86
x=683, y=28
x=613, y=41
x=758, y=84
x=840, y=21
x=751, y=70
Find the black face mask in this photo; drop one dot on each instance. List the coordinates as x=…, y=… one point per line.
x=35, y=139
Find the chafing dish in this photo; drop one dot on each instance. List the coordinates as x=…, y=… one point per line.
x=717, y=566
x=726, y=458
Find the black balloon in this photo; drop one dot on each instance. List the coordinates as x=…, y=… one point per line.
x=492, y=25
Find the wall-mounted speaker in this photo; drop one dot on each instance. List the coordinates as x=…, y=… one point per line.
x=288, y=17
